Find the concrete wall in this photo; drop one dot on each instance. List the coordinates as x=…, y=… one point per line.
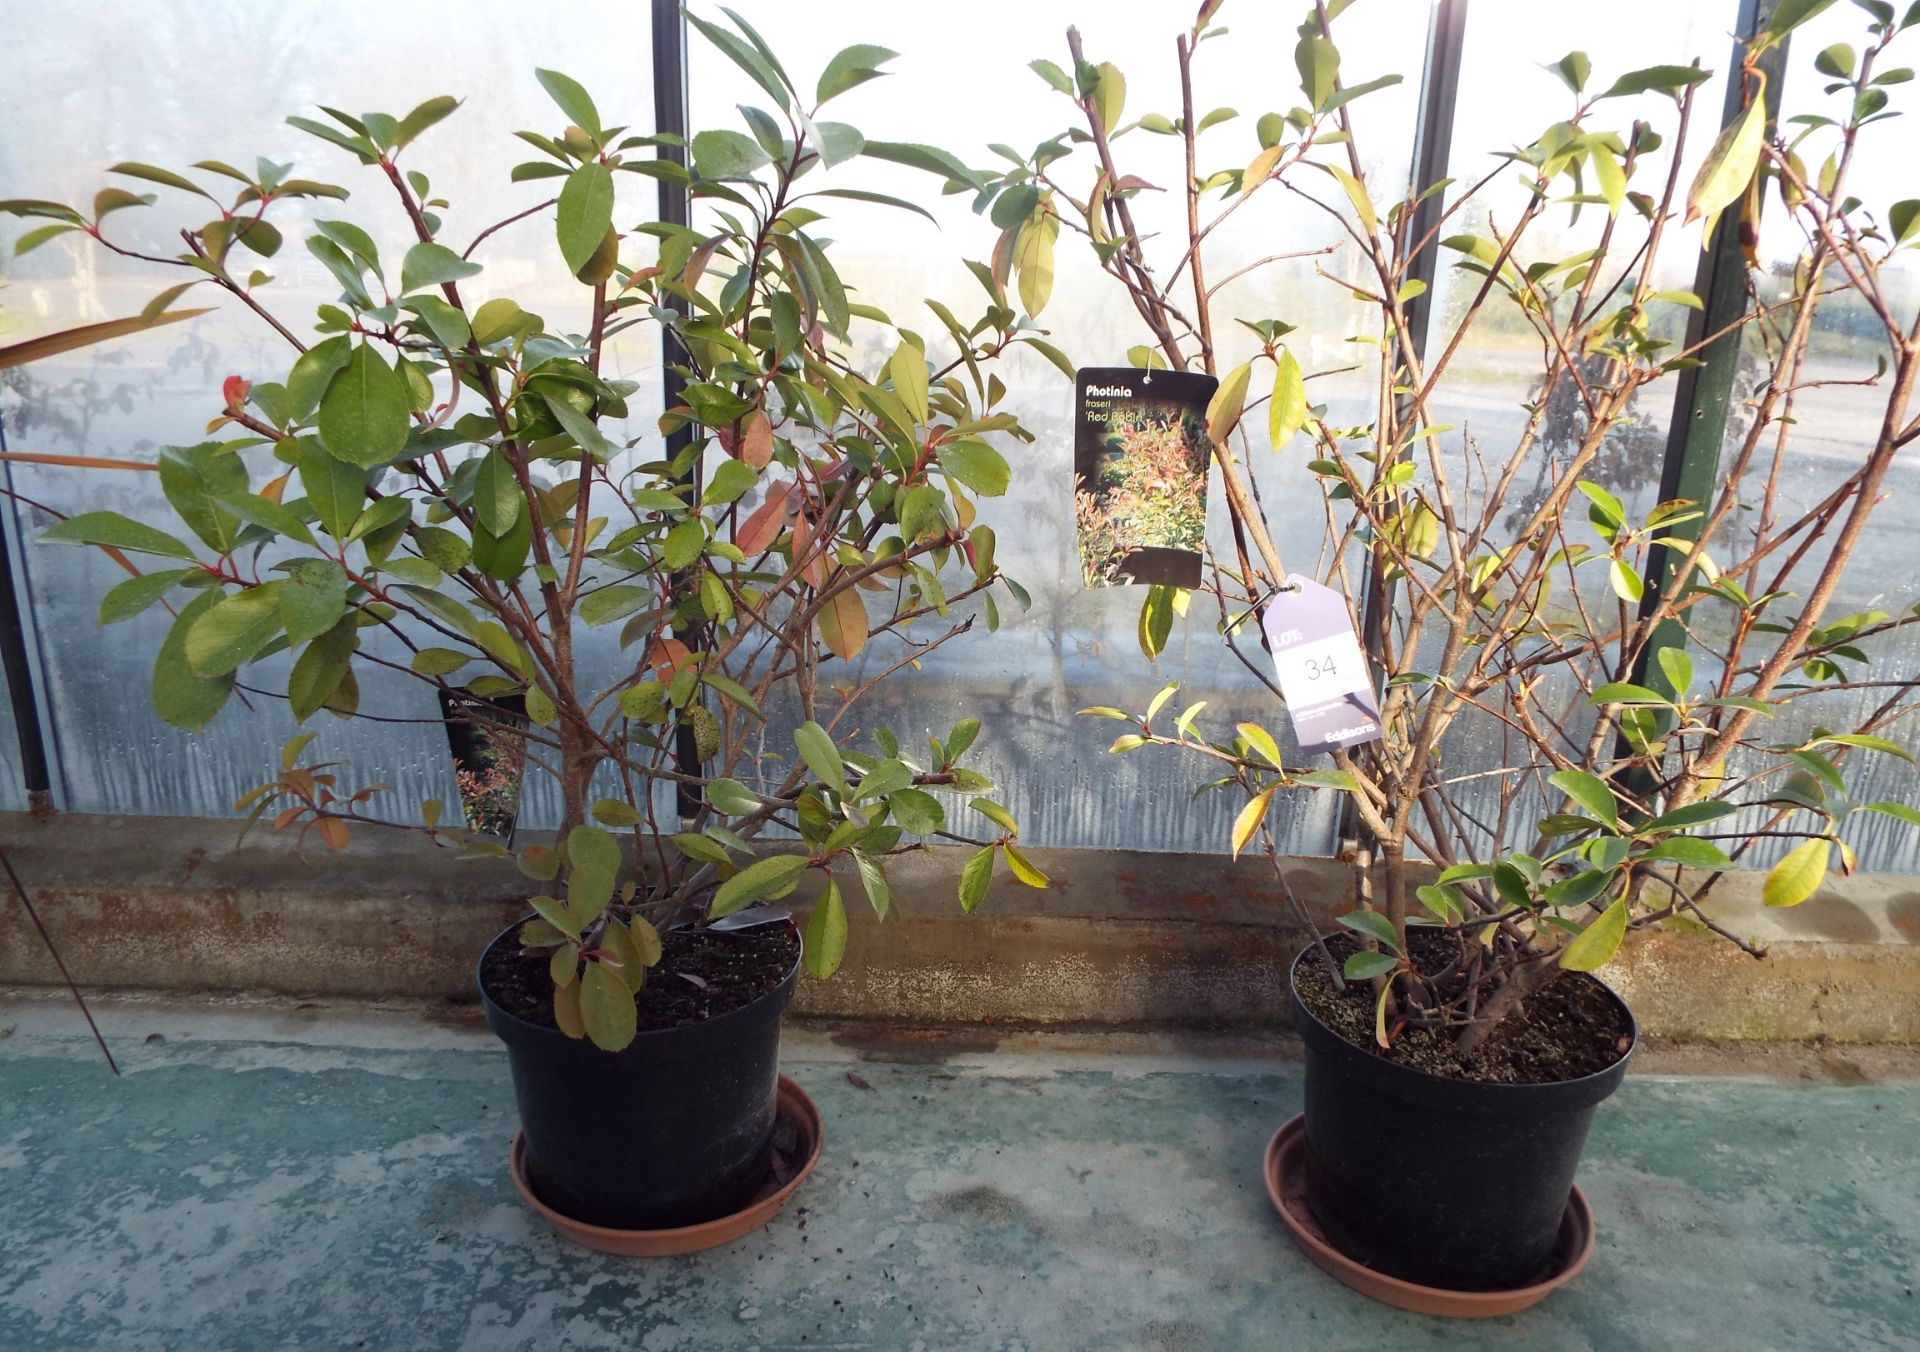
x=1122, y=939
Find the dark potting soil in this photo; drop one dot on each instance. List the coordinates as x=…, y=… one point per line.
x=1567, y=1029
x=730, y=969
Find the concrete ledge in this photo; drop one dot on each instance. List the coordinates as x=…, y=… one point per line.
x=1122, y=940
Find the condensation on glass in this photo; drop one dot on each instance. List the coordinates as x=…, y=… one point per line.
x=220, y=87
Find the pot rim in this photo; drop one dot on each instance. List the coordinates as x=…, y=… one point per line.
x=1512, y=1092
x=496, y=1009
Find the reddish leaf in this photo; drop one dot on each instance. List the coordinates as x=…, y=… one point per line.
x=666, y=656
x=758, y=532
x=756, y=445
x=843, y=624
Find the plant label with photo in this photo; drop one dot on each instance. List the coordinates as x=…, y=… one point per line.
x=489, y=757
x=1324, y=675
x=1140, y=458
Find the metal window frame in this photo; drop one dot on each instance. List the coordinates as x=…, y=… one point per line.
x=1703, y=397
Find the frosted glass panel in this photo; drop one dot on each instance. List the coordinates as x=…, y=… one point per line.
x=1508, y=97
x=1836, y=423
x=217, y=80
x=963, y=86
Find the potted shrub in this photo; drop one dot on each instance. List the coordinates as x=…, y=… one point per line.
x=433, y=491
x=1591, y=705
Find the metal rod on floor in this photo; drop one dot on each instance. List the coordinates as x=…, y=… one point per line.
x=20, y=891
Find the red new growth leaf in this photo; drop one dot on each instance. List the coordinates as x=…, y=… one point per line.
x=758, y=532
x=666, y=656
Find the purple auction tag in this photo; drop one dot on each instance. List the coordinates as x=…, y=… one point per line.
x=1324, y=676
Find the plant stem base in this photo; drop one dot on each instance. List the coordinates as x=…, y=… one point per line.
x=1285, y=1171
x=794, y=1106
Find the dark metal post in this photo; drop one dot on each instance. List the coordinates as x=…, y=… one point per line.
x=1703, y=394
x=17, y=662
x=1432, y=154
x=670, y=119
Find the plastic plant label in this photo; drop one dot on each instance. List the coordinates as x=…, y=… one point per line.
x=1324, y=675
x=1140, y=458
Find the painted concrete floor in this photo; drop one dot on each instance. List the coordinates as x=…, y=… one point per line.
x=323, y=1179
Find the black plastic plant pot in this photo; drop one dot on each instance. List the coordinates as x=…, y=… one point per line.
x=1435, y=1180
x=675, y=1130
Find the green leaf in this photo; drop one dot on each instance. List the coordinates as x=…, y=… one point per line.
x=1677, y=667
x=826, y=933
x=1799, y=874
x=1898, y=811
x=321, y=668
x=1374, y=925
x=439, y=661
x=136, y=594
x=613, y=603
x=590, y=847
x=874, y=879
x=197, y=480
x=1904, y=218
x=927, y=158
x=1052, y=74
x=363, y=415
x=1590, y=792
x=313, y=370
x=850, y=67
x=1865, y=742
x=1693, y=814
x=756, y=880
x=1156, y=620
x=583, y=214
x=429, y=264
x=977, y=465
x=572, y=99
x=1109, y=95
x=1690, y=851
x=1666, y=79
x=821, y=755
x=583, y=430
x=607, y=1008
x=907, y=368
x=1357, y=194
x=335, y=490
x=312, y=599
x=1262, y=741
x=498, y=503
x=1573, y=69
x=233, y=631
x=1287, y=410
x=181, y=696
x=423, y=116
x=1729, y=167
x=1365, y=966
x=917, y=813
x=1595, y=945
x=975, y=874
x=1790, y=14
x=1318, y=61
x=1223, y=410
x=727, y=154
x=117, y=532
